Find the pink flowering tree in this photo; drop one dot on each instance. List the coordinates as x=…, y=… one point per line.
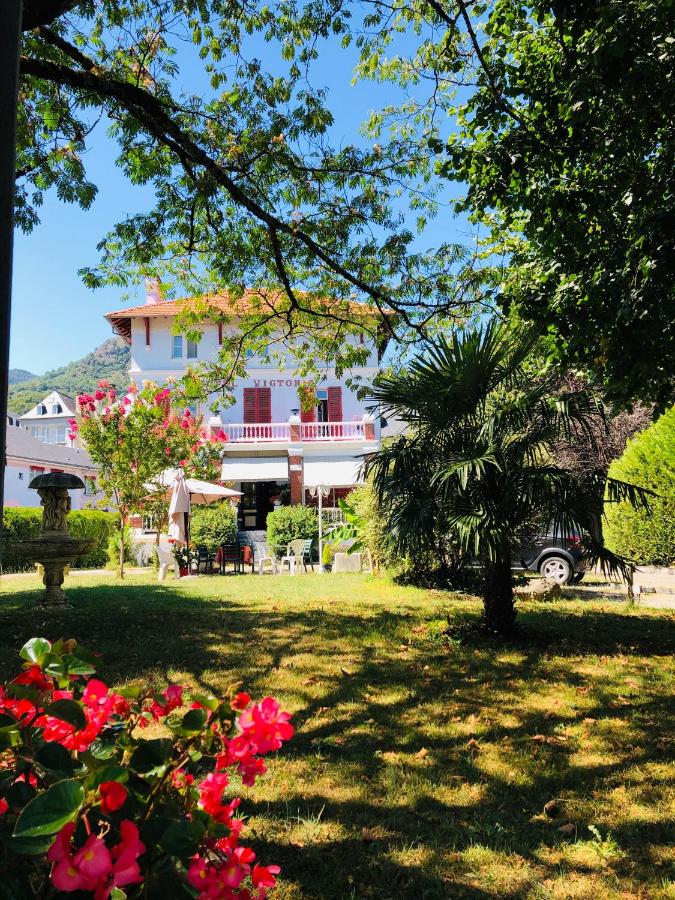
x=133, y=438
x=89, y=804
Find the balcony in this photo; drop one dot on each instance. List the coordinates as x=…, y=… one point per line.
x=286, y=432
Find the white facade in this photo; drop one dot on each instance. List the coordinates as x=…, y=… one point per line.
x=48, y=420
x=28, y=457
x=265, y=455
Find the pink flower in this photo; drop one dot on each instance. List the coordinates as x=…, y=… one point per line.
x=4, y=806
x=113, y=796
x=93, y=860
x=99, y=395
x=263, y=876
x=240, y=700
x=265, y=726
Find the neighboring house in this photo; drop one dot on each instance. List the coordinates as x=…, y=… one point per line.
x=13, y=419
x=27, y=457
x=272, y=448
x=48, y=420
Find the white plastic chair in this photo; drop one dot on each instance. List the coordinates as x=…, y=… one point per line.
x=166, y=561
x=293, y=556
x=265, y=559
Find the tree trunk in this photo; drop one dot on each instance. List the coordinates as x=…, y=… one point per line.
x=500, y=612
x=121, y=556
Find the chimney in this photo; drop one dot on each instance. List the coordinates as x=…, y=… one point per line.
x=153, y=291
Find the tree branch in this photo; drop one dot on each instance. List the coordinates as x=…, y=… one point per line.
x=44, y=12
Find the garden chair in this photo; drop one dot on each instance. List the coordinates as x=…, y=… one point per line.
x=204, y=560
x=306, y=555
x=230, y=553
x=294, y=552
x=166, y=561
x=266, y=560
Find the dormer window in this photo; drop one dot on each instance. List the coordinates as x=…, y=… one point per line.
x=41, y=409
x=57, y=409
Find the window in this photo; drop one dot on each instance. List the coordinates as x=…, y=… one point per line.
x=41, y=409
x=322, y=406
x=60, y=434
x=35, y=470
x=57, y=409
x=257, y=405
x=191, y=350
x=89, y=486
x=177, y=347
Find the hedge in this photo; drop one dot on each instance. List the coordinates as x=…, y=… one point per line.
x=21, y=522
x=648, y=461
x=213, y=525
x=289, y=523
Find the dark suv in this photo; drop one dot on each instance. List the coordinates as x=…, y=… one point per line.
x=558, y=559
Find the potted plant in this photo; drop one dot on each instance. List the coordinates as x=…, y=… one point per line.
x=327, y=557
x=183, y=556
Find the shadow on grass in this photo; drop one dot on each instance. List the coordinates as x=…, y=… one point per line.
x=371, y=711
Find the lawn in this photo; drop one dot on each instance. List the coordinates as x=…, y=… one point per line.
x=423, y=766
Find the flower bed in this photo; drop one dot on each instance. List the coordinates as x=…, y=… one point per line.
x=89, y=804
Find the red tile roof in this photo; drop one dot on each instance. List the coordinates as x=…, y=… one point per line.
x=222, y=304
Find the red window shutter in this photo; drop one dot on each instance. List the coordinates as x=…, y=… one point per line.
x=334, y=404
x=308, y=415
x=264, y=404
x=250, y=406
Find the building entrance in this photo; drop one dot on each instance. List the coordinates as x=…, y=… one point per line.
x=257, y=502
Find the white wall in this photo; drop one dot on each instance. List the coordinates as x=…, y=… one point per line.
x=17, y=493
x=155, y=363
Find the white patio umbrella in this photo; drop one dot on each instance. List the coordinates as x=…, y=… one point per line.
x=179, y=510
x=206, y=492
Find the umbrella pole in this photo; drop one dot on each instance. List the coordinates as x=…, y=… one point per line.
x=187, y=528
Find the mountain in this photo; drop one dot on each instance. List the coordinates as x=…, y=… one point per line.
x=17, y=375
x=110, y=360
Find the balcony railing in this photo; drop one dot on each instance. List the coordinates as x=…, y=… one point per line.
x=331, y=431
x=258, y=433
x=280, y=432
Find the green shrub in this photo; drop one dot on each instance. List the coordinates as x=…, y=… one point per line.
x=289, y=523
x=113, y=551
x=213, y=525
x=23, y=522
x=648, y=461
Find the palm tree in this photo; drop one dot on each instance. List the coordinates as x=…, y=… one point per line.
x=479, y=462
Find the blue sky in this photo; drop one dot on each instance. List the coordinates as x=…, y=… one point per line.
x=55, y=318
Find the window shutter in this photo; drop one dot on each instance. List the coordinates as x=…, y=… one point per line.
x=250, y=406
x=334, y=404
x=264, y=405
x=308, y=415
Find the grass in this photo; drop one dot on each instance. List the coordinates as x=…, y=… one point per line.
x=423, y=766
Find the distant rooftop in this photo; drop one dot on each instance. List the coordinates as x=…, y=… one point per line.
x=22, y=445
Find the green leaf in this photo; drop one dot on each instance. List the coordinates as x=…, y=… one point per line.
x=108, y=773
x=35, y=650
x=207, y=700
x=117, y=894
x=68, y=711
x=182, y=838
x=151, y=757
x=49, y=812
x=194, y=721
x=55, y=758
x=29, y=846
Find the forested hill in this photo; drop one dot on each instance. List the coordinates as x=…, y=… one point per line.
x=110, y=360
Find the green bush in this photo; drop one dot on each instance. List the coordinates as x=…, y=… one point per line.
x=213, y=525
x=113, y=550
x=648, y=461
x=289, y=523
x=21, y=522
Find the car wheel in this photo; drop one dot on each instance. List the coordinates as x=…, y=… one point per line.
x=556, y=569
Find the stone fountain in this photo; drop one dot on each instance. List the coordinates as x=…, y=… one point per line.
x=54, y=548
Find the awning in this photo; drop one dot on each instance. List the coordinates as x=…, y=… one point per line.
x=333, y=472
x=263, y=469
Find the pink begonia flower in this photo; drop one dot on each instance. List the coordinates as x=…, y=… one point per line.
x=93, y=860
x=113, y=796
x=4, y=806
x=265, y=726
x=263, y=876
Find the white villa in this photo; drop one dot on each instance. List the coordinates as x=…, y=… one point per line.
x=272, y=448
x=27, y=457
x=48, y=420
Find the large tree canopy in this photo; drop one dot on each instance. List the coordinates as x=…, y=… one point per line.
x=554, y=117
